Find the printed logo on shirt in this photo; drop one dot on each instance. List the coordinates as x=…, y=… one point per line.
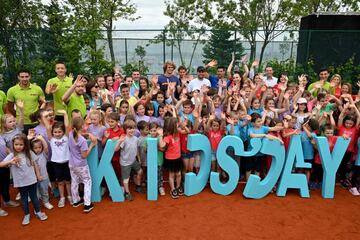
x=60, y=143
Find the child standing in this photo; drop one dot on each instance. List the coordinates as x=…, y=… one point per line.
x=79, y=169
x=25, y=175
x=97, y=128
x=144, y=131
x=40, y=148
x=170, y=144
x=128, y=158
x=59, y=143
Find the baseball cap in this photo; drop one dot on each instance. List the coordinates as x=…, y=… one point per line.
x=301, y=101
x=201, y=69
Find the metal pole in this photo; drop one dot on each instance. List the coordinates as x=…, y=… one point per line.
x=308, y=48
x=164, y=47
x=172, y=51
x=126, y=52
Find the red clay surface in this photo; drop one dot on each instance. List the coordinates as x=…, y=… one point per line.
x=206, y=215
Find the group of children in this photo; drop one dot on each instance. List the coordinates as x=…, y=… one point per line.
x=55, y=153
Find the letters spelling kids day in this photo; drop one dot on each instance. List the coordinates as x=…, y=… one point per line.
x=280, y=171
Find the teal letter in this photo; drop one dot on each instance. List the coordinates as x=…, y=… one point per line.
x=104, y=169
x=228, y=165
x=330, y=162
x=357, y=163
x=255, y=188
x=294, y=180
x=152, y=164
x=195, y=184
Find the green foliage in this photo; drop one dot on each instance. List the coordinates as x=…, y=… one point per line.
x=138, y=64
x=220, y=47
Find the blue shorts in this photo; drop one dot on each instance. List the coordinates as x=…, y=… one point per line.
x=187, y=155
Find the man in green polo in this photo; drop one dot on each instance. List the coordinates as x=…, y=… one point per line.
x=32, y=95
x=57, y=86
x=315, y=87
x=2, y=103
x=74, y=99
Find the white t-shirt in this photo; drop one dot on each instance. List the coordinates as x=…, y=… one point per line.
x=270, y=82
x=60, y=149
x=197, y=83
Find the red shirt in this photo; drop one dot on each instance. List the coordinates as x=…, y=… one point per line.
x=173, y=150
x=351, y=133
x=331, y=141
x=215, y=138
x=114, y=134
x=184, y=140
x=286, y=140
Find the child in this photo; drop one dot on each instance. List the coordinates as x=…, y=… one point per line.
x=170, y=144
x=144, y=131
x=317, y=173
x=97, y=128
x=215, y=131
x=186, y=155
x=139, y=112
x=300, y=112
x=258, y=131
x=79, y=169
x=40, y=148
x=186, y=112
x=9, y=127
x=123, y=110
x=307, y=136
x=25, y=175
x=128, y=158
x=348, y=125
x=154, y=133
x=114, y=133
x=288, y=130
x=59, y=143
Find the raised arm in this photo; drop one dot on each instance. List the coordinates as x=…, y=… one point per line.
x=65, y=98
x=20, y=104
x=93, y=143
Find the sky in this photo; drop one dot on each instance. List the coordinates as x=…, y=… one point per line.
x=152, y=17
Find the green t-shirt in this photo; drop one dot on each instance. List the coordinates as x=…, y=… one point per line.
x=2, y=102
x=31, y=97
x=63, y=86
x=76, y=102
x=326, y=86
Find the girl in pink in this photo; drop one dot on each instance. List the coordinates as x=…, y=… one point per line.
x=79, y=169
x=215, y=131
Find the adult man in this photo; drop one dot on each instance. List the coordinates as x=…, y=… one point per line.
x=2, y=103
x=220, y=76
x=74, y=99
x=198, y=82
x=135, y=85
x=57, y=86
x=125, y=95
x=321, y=84
x=31, y=94
x=168, y=77
x=269, y=79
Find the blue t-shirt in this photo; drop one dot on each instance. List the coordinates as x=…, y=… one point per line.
x=189, y=117
x=236, y=129
x=243, y=131
x=163, y=79
x=214, y=80
x=252, y=110
x=308, y=149
x=261, y=130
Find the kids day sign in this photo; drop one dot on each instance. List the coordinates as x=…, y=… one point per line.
x=281, y=168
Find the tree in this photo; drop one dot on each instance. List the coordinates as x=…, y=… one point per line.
x=112, y=10
x=184, y=25
x=220, y=47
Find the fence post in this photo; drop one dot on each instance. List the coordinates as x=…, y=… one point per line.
x=164, y=47
x=172, y=51
x=308, y=48
x=126, y=52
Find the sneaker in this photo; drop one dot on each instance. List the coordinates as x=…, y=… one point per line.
x=138, y=189
x=174, y=194
x=128, y=197
x=61, y=203
x=162, y=191
x=88, y=208
x=81, y=202
x=26, y=219
x=354, y=191
x=3, y=213
x=69, y=198
x=42, y=216
x=11, y=204
x=18, y=197
x=48, y=205
x=180, y=191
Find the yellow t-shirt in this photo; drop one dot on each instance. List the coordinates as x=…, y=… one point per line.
x=63, y=86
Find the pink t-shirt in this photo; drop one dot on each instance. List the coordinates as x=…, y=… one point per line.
x=351, y=133
x=173, y=150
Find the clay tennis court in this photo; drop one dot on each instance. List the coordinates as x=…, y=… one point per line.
x=206, y=215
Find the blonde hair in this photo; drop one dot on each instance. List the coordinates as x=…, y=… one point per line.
x=168, y=63
x=3, y=122
x=100, y=114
